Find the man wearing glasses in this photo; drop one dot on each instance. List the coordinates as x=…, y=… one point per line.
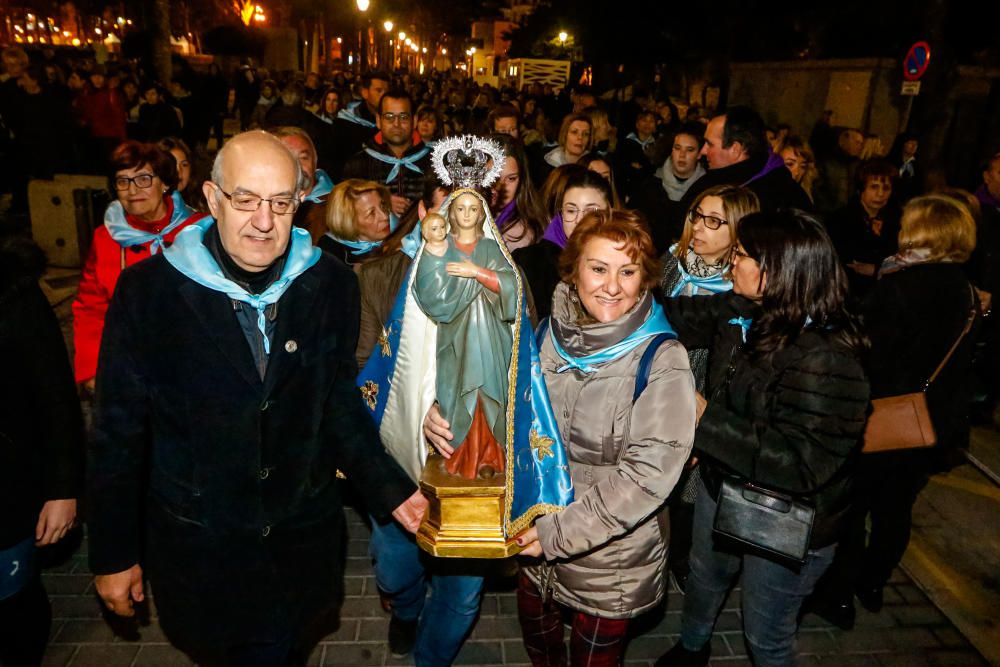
x=396, y=156
x=225, y=407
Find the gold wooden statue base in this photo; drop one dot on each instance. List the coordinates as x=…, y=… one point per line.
x=465, y=516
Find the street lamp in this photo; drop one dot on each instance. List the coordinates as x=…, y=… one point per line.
x=402, y=36
x=563, y=36
x=388, y=26
x=363, y=5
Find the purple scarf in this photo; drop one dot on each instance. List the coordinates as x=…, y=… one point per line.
x=773, y=162
x=987, y=199
x=506, y=216
x=555, y=231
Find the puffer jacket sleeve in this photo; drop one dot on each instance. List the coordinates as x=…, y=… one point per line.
x=695, y=318
x=659, y=443
x=796, y=436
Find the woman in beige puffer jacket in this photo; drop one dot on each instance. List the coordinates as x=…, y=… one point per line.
x=603, y=556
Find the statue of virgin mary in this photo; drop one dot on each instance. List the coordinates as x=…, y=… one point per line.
x=459, y=335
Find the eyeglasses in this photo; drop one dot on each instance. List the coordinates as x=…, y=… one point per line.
x=142, y=181
x=742, y=254
x=244, y=201
x=391, y=117
x=570, y=213
x=710, y=221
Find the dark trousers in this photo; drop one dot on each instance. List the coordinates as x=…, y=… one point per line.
x=594, y=642
x=886, y=488
x=25, y=620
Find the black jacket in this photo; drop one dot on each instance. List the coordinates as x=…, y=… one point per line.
x=41, y=429
x=855, y=241
x=407, y=183
x=913, y=317
x=791, y=422
x=221, y=484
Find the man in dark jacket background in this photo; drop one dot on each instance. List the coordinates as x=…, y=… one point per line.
x=737, y=153
x=225, y=407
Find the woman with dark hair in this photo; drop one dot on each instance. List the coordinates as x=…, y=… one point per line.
x=865, y=231
x=517, y=212
x=189, y=189
x=601, y=164
x=427, y=124
x=329, y=105
x=787, y=399
x=903, y=156
x=145, y=218
x=583, y=192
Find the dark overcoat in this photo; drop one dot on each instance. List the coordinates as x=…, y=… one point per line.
x=221, y=484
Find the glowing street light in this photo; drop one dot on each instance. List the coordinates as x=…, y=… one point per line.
x=402, y=36
x=363, y=5
x=472, y=51
x=563, y=36
x=444, y=51
x=388, y=26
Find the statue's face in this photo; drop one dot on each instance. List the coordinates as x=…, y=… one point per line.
x=435, y=228
x=467, y=212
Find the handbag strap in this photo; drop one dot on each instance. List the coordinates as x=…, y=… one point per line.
x=965, y=330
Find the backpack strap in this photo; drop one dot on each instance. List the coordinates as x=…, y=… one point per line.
x=646, y=362
x=543, y=328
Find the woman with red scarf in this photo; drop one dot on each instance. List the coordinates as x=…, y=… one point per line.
x=145, y=218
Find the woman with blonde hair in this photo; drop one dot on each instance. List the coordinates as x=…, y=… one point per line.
x=358, y=219
x=699, y=264
x=801, y=161
x=916, y=312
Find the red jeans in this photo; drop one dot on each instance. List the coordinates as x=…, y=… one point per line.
x=594, y=642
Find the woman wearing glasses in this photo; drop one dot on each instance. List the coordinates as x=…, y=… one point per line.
x=699, y=264
x=787, y=399
x=586, y=191
x=144, y=219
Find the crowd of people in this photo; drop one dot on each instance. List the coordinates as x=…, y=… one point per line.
x=718, y=302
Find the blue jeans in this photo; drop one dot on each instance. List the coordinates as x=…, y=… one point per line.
x=445, y=618
x=772, y=593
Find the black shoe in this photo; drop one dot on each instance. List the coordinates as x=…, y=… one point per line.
x=840, y=614
x=679, y=656
x=402, y=636
x=871, y=597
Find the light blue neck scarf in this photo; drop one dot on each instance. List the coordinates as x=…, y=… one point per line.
x=127, y=236
x=361, y=247
x=713, y=284
x=656, y=323
x=349, y=113
x=321, y=189
x=743, y=323
x=189, y=255
x=635, y=137
x=409, y=161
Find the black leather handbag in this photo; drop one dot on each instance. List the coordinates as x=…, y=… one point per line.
x=765, y=520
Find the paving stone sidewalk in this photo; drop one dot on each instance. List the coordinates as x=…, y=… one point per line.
x=909, y=632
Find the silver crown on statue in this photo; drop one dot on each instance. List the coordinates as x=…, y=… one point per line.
x=468, y=161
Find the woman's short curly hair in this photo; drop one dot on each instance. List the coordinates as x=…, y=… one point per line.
x=627, y=228
x=133, y=154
